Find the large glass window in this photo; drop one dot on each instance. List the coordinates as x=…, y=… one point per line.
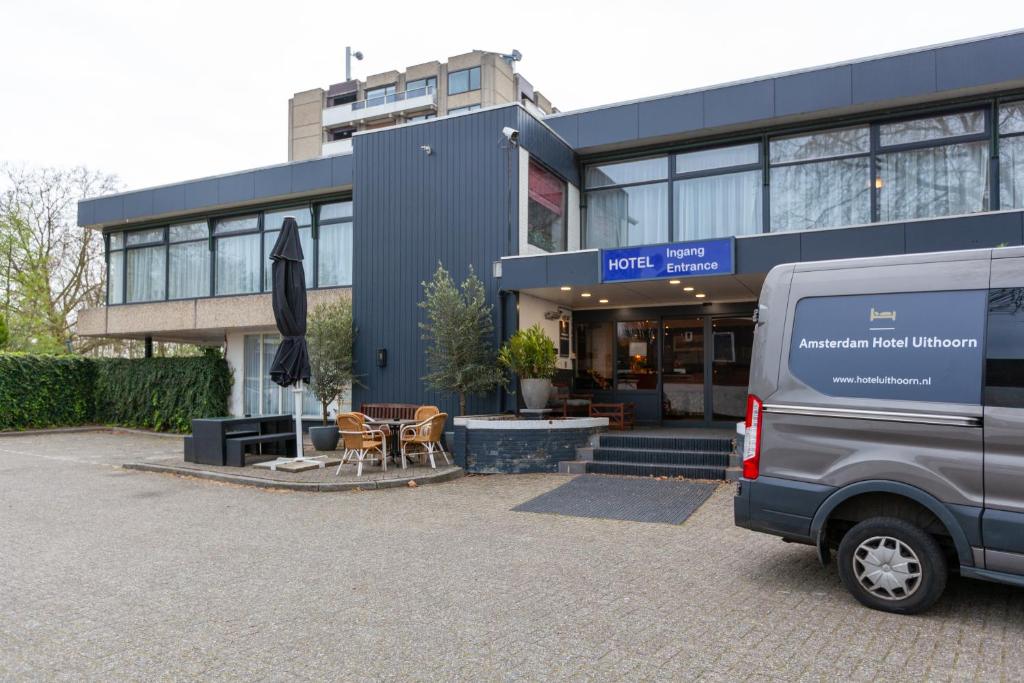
x=821, y=180
x=1011, y=156
x=626, y=172
x=718, y=193
x=636, y=360
x=115, y=270
x=188, y=261
x=237, y=257
x=595, y=355
x=272, y=222
x=420, y=86
x=378, y=96
x=464, y=80
x=928, y=174
x=546, y=215
x=634, y=214
x=334, y=259
x=145, y=266
x=260, y=395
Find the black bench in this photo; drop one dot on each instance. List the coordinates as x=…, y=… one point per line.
x=235, y=455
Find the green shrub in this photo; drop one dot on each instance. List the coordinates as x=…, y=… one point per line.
x=45, y=391
x=529, y=353
x=39, y=391
x=161, y=393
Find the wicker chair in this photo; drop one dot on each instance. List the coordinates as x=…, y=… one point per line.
x=423, y=412
x=365, y=420
x=360, y=443
x=424, y=438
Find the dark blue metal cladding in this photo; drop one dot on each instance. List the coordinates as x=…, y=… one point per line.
x=455, y=206
x=206, y=193
x=549, y=148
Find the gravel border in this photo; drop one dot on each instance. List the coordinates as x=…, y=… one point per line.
x=447, y=474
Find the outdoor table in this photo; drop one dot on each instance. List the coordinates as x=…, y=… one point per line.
x=395, y=447
x=210, y=435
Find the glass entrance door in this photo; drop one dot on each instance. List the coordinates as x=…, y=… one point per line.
x=730, y=373
x=682, y=369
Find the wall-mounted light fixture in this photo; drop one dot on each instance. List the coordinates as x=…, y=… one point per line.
x=382, y=358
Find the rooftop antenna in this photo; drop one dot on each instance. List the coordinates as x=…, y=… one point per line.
x=348, y=61
x=512, y=58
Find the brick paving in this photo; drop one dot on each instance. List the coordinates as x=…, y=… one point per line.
x=107, y=574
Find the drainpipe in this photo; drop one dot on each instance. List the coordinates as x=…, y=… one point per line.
x=149, y=347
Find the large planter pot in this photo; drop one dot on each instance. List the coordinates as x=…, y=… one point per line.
x=324, y=438
x=536, y=393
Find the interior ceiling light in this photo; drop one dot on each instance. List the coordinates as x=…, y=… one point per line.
x=673, y=282
x=687, y=289
x=700, y=296
x=565, y=289
x=585, y=294
x=603, y=301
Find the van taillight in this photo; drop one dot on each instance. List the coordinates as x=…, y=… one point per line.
x=752, y=438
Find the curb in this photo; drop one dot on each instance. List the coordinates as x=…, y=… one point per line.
x=310, y=487
x=91, y=428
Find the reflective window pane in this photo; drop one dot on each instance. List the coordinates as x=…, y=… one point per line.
x=116, y=240
x=271, y=394
x=627, y=216
x=145, y=236
x=718, y=206
x=236, y=224
x=238, y=264
x=831, y=143
x=546, y=209
x=823, y=194
x=627, y=172
x=636, y=364
x=682, y=369
x=188, y=231
x=115, y=278
x=305, y=240
x=932, y=128
x=464, y=80
x=274, y=220
x=1011, y=118
x=251, y=375
x=722, y=157
x=1011, y=173
x=595, y=355
x=188, y=273
x=936, y=181
x=335, y=257
x=336, y=210
x=145, y=274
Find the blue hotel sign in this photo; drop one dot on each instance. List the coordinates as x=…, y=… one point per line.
x=679, y=260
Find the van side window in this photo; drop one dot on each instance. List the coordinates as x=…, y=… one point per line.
x=1004, y=354
x=902, y=346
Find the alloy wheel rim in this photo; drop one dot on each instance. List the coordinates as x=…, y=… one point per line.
x=887, y=568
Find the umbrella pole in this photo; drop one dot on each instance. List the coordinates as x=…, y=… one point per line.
x=299, y=451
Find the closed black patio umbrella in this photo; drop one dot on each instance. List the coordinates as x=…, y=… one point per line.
x=291, y=362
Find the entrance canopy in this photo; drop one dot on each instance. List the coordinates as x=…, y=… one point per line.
x=676, y=292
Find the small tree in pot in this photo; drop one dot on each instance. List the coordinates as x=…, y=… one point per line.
x=531, y=355
x=330, y=335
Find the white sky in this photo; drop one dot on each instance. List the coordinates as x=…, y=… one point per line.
x=158, y=92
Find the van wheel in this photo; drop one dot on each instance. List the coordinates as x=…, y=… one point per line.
x=891, y=565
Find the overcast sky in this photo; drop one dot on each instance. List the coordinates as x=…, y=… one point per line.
x=158, y=92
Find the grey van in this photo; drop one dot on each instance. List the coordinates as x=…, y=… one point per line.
x=885, y=420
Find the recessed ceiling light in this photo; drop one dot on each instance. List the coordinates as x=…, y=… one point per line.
x=673, y=282
x=565, y=289
x=603, y=301
x=687, y=289
x=585, y=294
x=700, y=296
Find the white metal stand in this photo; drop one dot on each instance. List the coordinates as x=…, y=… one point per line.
x=300, y=455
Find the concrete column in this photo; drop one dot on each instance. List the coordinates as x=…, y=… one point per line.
x=149, y=347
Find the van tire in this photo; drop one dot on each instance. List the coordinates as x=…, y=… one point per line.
x=873, y=543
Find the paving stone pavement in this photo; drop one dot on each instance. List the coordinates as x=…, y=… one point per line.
x=107, y=574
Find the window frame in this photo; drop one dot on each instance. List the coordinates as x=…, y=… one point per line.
x=469, y=80
x=674, y=177
x=209, y=264
x=565, y=206
x=161, y=243
x=995, y=194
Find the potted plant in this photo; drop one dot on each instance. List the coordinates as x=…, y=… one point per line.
x=330, y=335
x=531, y=355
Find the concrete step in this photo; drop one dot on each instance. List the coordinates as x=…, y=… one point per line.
x=653, y=456
x=700, y=444
x=656, y=470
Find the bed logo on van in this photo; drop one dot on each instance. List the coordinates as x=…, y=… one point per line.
x=881, y=315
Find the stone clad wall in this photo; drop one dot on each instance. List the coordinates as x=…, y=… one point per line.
x=518, y=448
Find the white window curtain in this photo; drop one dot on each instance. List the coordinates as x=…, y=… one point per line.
x=936, y=181
x=627, y=216
x=1011, y=173
x=261, y=395
x=823, y=194
x=146, y=273
x=718, y=206
x=251, y=375
x=335, y=255
x=115, y=277
x=271, y=392
x=238, y=264
x=189, y=270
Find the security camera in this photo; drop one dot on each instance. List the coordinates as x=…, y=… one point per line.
x=511, y=133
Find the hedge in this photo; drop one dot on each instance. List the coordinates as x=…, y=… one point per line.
x=154, y=393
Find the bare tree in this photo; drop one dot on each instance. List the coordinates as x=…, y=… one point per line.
x=51, y=268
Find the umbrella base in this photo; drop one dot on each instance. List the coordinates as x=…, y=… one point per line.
x=299, y=464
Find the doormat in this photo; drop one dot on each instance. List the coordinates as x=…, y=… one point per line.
x=624, y=498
